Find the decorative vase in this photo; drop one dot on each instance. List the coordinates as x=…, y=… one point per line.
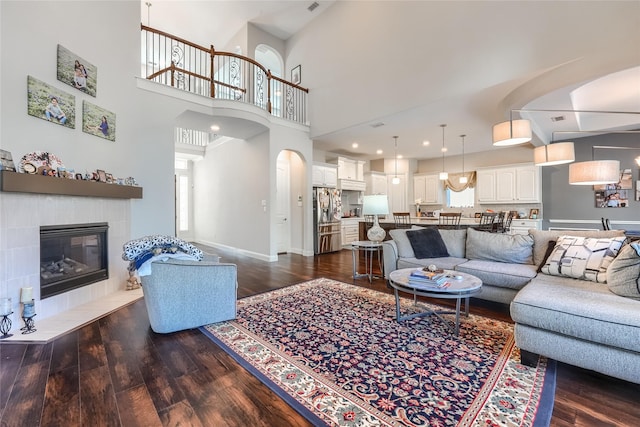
x=376, y=233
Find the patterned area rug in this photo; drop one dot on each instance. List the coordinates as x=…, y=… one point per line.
x=335, y=352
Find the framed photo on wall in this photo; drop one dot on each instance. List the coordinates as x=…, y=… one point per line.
x=77, y=72
x=296, y=75
x=98, y=122
x=48, y=103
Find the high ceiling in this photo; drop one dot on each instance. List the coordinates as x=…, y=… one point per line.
x=412, y=66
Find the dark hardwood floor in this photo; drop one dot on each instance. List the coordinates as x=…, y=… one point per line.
x=116, y=372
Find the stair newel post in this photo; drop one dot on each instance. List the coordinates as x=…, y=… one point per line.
x=212, y=89
x=269, y=91
x=173, y=72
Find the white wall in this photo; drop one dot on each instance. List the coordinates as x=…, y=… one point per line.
x=229, y=185
x=144, y=144
x=106, y=34
x=234, y=178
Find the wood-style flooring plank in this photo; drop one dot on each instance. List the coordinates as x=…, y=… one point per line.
x=91, y=351
x=175, y=357
x=65, y=352
x=11, y=356
x=24, y=407
x=62, y=398
x=98, y=405
x=136, y=408
x=158, y=378
x=180, y=414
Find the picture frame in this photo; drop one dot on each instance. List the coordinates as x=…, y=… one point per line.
x=109, y=178
x=77, y=72
x=102, y=175
x=533, y=213
x=6, y=161
x=51, y=104
x=296, y=75
x=98, y=122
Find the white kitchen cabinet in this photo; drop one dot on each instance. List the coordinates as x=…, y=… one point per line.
x=428, y=188
x=522, y=226
x=528, y=184
x=350, y=169
x=324, y=176
x=486, y=185
x=350, y=231
x=514, y=184
x=376, y=183
x=397, y=194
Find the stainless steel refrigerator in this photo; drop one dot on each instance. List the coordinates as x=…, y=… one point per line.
x=327, y=211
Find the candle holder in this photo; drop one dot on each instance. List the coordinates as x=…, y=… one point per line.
x=5, y=322
x=5, y=326
x=28, y=313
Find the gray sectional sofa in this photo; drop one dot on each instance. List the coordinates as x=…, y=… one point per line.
x=582, y=322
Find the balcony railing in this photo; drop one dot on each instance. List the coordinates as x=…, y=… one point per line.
x=187, y=66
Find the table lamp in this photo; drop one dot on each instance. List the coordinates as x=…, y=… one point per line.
x=376, y=205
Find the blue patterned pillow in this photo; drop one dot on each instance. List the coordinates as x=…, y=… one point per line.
x=140, y=250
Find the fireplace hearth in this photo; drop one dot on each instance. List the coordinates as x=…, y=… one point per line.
x=72, y=256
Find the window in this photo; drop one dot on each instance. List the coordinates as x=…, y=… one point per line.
x=460, y=199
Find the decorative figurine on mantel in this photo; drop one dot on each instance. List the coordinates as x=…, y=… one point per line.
x=133, y=282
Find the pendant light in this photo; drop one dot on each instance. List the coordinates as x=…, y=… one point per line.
x=443, y=175
x=396, y=180
x=554, y=154
x=463, y=178
x=512, y=132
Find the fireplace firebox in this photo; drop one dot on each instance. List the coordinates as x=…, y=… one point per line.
x=72, y=256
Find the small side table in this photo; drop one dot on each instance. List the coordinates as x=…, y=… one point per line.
x=370, y=249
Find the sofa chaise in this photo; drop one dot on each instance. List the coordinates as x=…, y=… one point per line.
x=590, y=320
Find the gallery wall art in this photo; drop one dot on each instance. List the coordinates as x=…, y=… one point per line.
x=615, y=195
x=49, y=103
x=98, y=122
x=77, y=72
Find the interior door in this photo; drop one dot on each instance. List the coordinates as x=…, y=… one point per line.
x=283, y=228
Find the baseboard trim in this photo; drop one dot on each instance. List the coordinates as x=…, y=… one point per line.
x=250, y=254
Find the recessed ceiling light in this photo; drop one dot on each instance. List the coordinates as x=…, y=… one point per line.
x=378, y=151
x=425, y=143
x=354, y=145
x=443, y=149
x=215, y=128
x=399, y=156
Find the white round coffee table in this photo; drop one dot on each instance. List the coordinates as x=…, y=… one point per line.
x=463, y=288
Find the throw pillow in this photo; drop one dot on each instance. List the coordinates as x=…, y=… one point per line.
x=551, y=245
x=399, y=236
x=455, y=241
x=427, y=243
x=511, y=248
x=623, y=274
x=585, y=258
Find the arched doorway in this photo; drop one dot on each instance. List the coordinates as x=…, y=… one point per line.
x=289, y=206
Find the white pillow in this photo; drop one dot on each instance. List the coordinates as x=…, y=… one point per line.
x=585, y=258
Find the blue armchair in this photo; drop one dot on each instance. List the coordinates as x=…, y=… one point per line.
x=184, y=294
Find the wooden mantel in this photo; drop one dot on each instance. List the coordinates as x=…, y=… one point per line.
x=26, y=183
